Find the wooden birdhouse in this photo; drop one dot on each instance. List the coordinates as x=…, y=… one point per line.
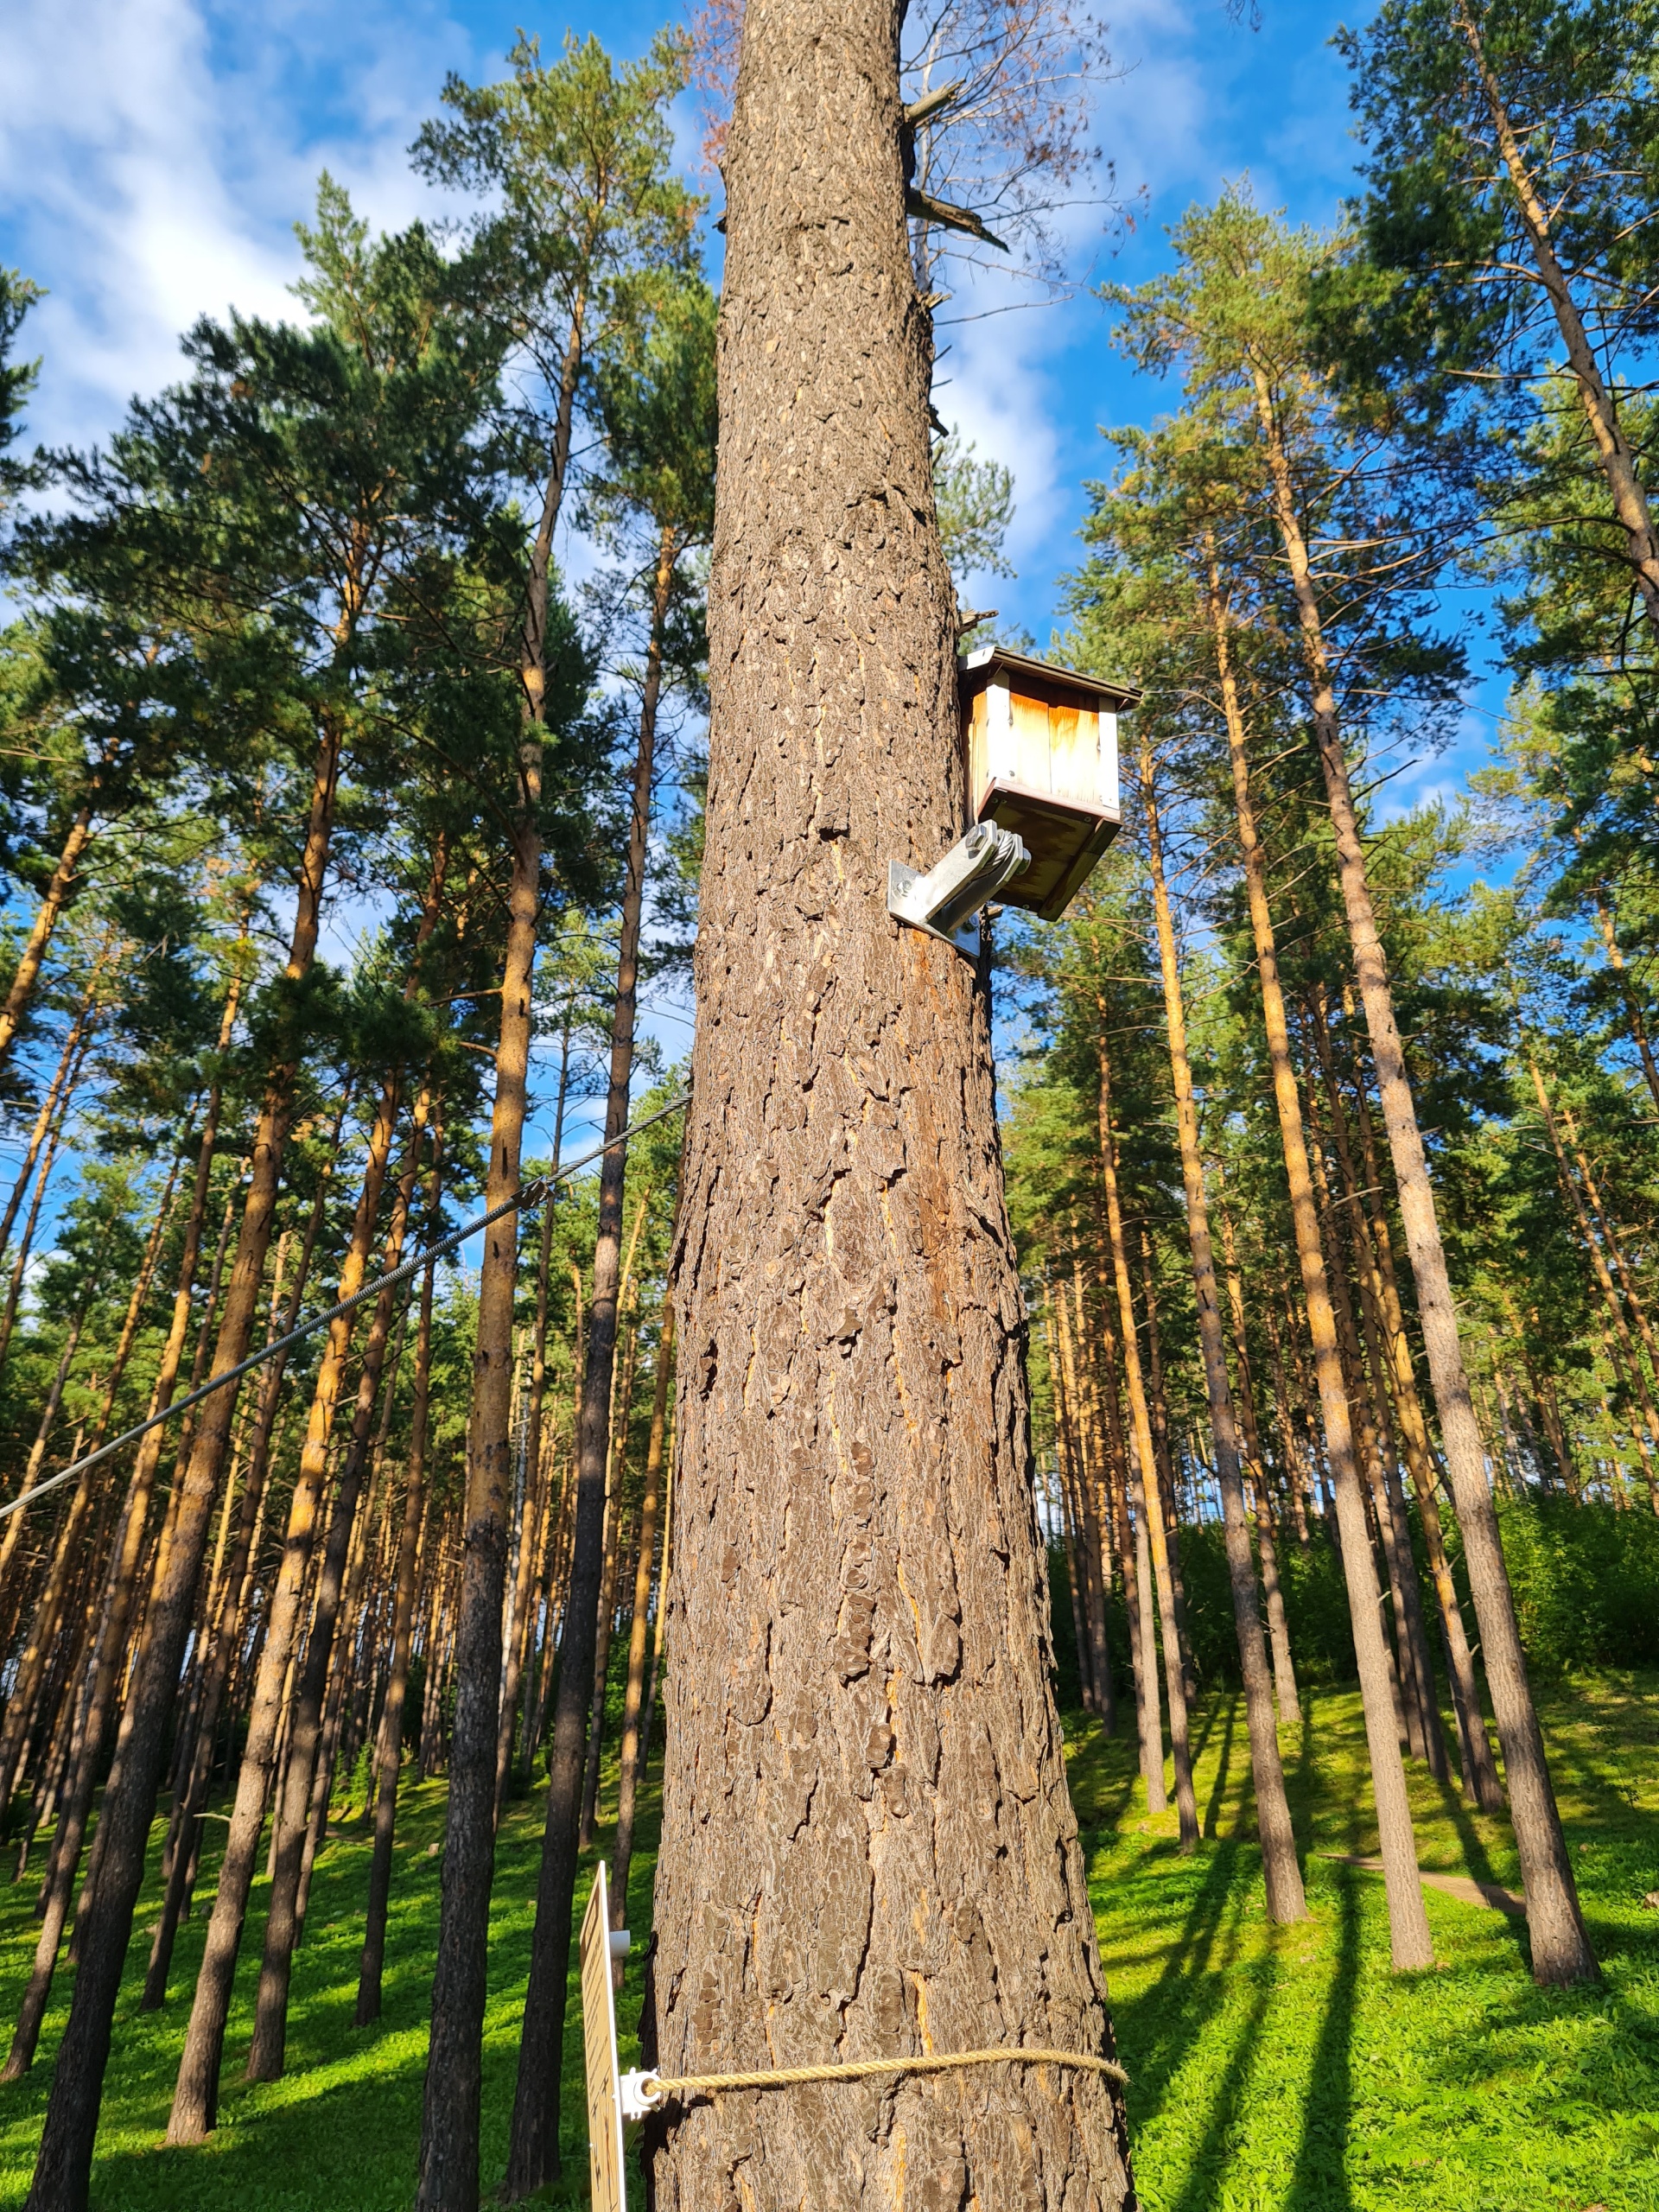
x=1041, y=749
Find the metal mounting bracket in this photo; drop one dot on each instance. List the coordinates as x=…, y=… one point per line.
x=945, y=899
x=901, y=881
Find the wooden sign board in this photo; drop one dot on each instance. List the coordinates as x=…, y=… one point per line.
x=599, y=2045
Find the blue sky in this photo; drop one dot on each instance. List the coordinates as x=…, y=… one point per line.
x=155, y=154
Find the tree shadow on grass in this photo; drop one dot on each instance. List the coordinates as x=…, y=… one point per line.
x=1224, y=1762
x=1318, y=2180
x=1477, y=1859
x=1206, y=2171
x=1160, y=2025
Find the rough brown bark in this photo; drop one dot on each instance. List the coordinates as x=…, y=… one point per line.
x=63, y=2170
x=1281, y=1873
x=865, y=1778
x=1561, y=1948
x=1410, y=1945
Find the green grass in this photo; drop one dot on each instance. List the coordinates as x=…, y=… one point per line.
x=1287, y=2068
x=1270, y=2068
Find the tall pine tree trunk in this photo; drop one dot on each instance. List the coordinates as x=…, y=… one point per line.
x=1409, y=1941
x=391, y=1719
x=195, y=2097
x=865, y=1779
x=1561, y=1948
x=533, y=2159
x=1148, y=1493
x=63, y=2170
x=1281, y=1873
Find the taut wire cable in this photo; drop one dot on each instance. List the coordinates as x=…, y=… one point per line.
x=524, y=1200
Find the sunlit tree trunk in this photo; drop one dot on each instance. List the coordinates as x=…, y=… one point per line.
x=1148, y=1502
x=1409, y=1941
x=868, y=1845
x=63, y=2170
x=1284, y=1671
x=1561, y=1948
x=1282, y=1874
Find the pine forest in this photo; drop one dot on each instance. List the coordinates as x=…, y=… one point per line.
x=1092, y=1486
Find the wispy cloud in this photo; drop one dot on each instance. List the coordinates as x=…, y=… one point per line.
x=154, y=154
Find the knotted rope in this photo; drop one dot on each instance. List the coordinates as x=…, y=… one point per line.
x=653, y=2088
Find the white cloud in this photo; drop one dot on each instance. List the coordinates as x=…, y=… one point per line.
x=155, y=153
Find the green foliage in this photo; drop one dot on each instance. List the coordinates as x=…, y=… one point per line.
x=1584, y=1578
x=1456, y=291
x=17, y=296
x=974, y=501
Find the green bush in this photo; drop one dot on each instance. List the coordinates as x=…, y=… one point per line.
x=1586, y=1580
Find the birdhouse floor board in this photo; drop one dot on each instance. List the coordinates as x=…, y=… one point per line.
x=1064, y=841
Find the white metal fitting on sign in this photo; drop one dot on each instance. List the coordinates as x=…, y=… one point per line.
x=637, y=2102
x=944, y=901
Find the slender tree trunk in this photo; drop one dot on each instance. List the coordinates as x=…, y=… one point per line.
x=1404, y=1676
x=1480, y=1780
x=236, y=1591
x=865, y=1773
x=1284, y=1670
x=632, y=1759
x=1282, y=1873
x=69, y=1057
x=1410, y=1945
x=616, y=1528
x=63, y=2170
x=1065, y=1452
x=1617, y=457
x=533, y=2159
x=292, y=1812
x=58, y=893
x=538, y=1452
x=449, y=2127
x=1168, y=1497
x=449, y=2120
x=1134, y=1557
x=36, y=1653
x=1561, y=1948
x=1148, y=1502
x=1095, y=1562
x=372, y=1964
x=195, y=2098
x=20, y=1265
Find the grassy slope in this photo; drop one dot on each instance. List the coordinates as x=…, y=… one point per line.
x=1283, y=2070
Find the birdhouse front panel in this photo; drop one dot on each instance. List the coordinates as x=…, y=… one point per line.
x=1041, y=759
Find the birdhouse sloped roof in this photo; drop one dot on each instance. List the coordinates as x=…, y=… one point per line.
x=982, y=666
